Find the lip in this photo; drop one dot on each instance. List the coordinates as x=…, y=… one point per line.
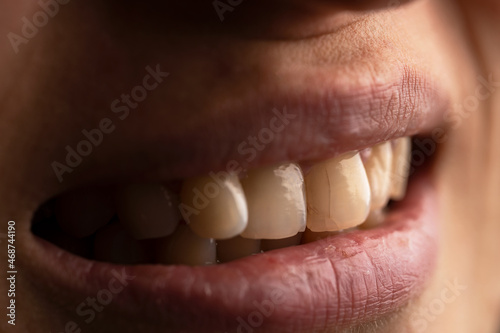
x=340, y=281
x=327, y=122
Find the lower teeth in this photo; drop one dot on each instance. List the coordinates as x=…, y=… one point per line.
x=114, y=243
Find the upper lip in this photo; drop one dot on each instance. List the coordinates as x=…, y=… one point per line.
x=334, y=111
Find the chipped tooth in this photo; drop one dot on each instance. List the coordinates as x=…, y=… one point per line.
x=276, y=202
x=214, y=207
x=378, y=170
x=338, y=194
x=184, y=247
x=311, y=236
x=274, y=244
x=400, y=167
x=236, y=248
x=147, y=210
x=113, y=244
x=82, y=212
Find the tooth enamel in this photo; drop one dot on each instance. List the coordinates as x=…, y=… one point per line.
x=400, y=167
x=113, y=244
x=378, y=170
x=82, y=212
x=338, y=194
x=276, y=202
x=147, y=210
x=274, y=244
x=237, y=247
x=213, y=207
x=184, y=247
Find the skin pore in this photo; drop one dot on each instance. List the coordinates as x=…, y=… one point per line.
x=63, y=80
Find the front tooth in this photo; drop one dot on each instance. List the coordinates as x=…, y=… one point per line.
x=184, y=247
x=400, y=167
x=378, y=169
x=147, y=210
x=214, y=206
x=338, y=194
x=276, y=202
x=83, y=212
x=237, y=247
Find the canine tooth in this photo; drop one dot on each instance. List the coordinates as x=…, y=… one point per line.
x=378, y=170
x=237, y=247
x=214, y=207
x=147, y=210
x=80, y=213
x=184, y=247
x=276, y=202
x=113, y=244
x=338, y=194
x=400, y=167
x=273, y=244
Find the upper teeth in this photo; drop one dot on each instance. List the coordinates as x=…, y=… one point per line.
x=270, y=202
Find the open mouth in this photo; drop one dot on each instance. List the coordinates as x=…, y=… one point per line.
x=257, y=250
x=225, y=216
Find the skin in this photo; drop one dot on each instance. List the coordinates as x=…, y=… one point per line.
x=64, y=79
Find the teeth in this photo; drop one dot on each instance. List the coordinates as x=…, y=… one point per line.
x=264, y=211
x=338, y=194
x=378, y=169
x=184, y=247
x=274, y=244
x=214, y=207
x=237, y=247
x=400, y=167
x=276, y=202
x=113, y=244
x=81, y=213
x=147, y=210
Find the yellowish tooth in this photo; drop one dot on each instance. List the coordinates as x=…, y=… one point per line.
x=113, y=244
x=400, y=167
x=378, y=169
x=274, y=244
x=276, y=202
x=236, y=248
x=338, y=194
x=214, y=207
x=147, y=210
x=83, y=212
x=184, y=247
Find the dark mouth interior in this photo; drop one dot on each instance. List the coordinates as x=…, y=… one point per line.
x=46, y=226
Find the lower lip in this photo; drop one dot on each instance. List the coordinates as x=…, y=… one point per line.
x=340, y=281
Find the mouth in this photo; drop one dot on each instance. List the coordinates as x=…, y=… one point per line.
x=300, y=239
x=260, y=250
